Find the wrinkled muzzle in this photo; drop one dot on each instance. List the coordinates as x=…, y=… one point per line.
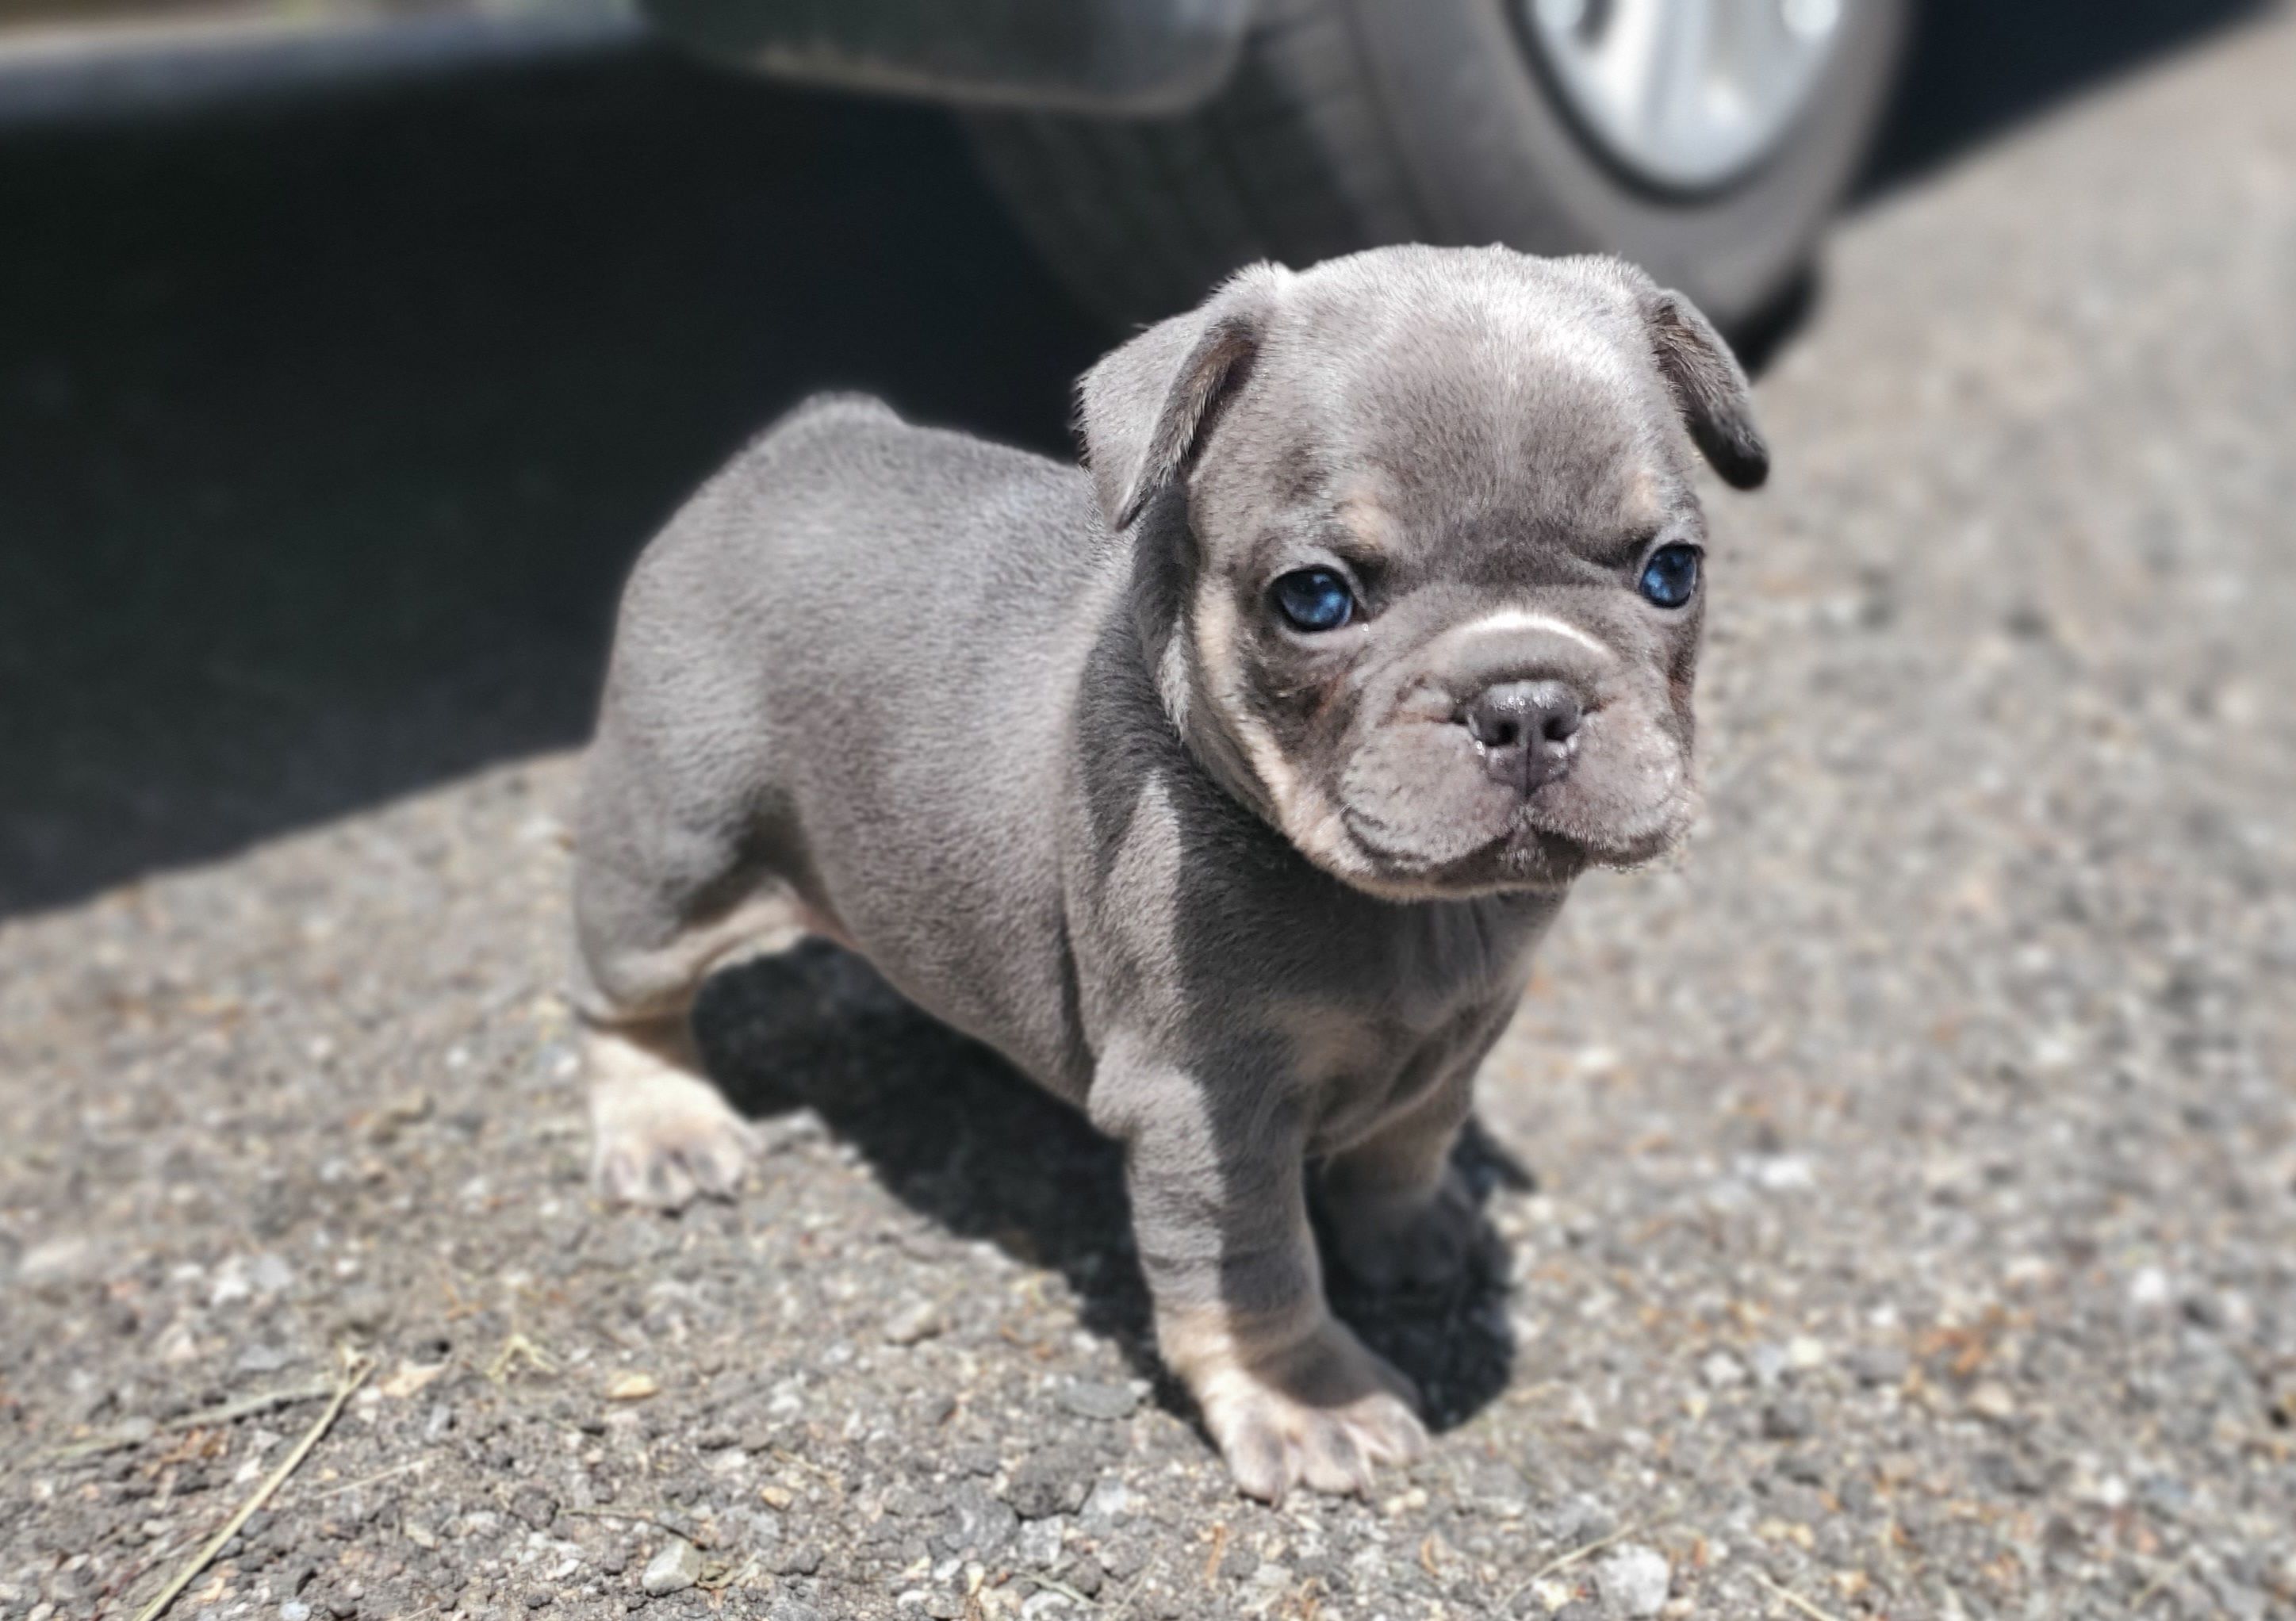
x=1516, y=762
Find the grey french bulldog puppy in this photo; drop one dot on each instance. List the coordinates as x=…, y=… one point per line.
x=1225, y=790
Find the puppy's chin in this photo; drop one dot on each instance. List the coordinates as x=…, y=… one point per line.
x=1526, y=859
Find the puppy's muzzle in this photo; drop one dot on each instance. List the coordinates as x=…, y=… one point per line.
x=1524, y=682
x=1525, y=731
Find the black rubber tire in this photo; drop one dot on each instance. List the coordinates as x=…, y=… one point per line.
x=1351, y=123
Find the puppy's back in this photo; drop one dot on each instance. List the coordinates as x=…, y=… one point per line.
x=861, y=637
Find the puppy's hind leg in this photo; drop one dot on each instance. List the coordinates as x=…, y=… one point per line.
x=1399, y=1214
x=651, y=924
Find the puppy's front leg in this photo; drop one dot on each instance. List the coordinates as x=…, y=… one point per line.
x=1219, y=1209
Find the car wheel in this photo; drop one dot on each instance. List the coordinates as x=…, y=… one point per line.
x=1707, y=140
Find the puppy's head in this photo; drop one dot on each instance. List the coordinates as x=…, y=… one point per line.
x=1430, y=554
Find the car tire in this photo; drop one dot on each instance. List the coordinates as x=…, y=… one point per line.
x=1352, y=123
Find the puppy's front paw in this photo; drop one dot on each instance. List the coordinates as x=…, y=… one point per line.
x=661, y=1136
x=1323, y=1411
x=1417, y=1246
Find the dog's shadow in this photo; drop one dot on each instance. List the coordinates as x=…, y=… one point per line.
x=952, y=1132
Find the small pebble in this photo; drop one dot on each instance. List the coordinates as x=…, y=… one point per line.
x=1769, y=1363
x=1992, y=1400
x=1111, y=1504
x=1788, y=1419
x=1802, y=1468
x=798, y=1562
x=1040, y=1542
x=1052, y=1481
x=1877, y=1365
x=1634, y=1580
x=920, y=1320
x=677, y=1567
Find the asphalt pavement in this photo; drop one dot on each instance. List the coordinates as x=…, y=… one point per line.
x=1897, y=1196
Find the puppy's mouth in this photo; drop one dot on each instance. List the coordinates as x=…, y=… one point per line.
x=1520, y=855
x=1432, y=821
x=1636, y=838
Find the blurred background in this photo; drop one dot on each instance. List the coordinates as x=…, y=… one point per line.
x=350, y=350
x=1894, y=1203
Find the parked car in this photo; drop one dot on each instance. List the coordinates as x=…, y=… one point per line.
x=1148, y=146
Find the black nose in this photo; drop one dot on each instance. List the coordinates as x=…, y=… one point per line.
x=1525, y=729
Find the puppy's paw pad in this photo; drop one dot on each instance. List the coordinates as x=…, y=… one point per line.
x=663, y=1141
x=1326, y=1418
x=1426, y=1247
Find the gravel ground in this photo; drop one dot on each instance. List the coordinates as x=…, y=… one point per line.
x=1897, y=1201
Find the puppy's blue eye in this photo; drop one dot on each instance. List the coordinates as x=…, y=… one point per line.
x=1671, y=575
x=1313, y=599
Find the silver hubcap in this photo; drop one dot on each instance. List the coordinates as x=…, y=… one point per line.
x=1687, y=94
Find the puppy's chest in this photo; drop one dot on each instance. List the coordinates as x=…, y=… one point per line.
x=1363, y=1058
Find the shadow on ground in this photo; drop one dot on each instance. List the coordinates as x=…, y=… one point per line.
x=328, y=428
x=953, y=1133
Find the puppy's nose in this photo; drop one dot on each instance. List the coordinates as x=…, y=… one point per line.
x=1524, y=729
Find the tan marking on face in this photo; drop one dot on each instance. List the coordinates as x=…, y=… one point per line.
x=1172, y=683
x=1643, y=503
x=1363, y=513
x=1302, y=811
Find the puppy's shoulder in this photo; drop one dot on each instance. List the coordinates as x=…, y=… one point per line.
x=806, y=425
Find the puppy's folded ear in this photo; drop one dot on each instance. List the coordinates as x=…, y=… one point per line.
x=1709, y=387
x=1145, y=409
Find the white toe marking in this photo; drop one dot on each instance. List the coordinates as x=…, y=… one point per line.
x=659, y=1130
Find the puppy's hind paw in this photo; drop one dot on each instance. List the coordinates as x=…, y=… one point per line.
x=661, y=1137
